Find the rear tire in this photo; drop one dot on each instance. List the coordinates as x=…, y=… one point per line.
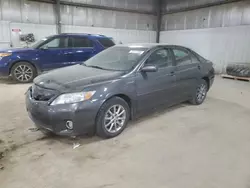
x=112, y=118
x=23, y=72
x=200, y=93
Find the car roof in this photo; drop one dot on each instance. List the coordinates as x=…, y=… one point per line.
x=150, y=45
x=83, y=34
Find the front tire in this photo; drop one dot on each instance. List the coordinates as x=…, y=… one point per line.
x=200, y=93
x=23, y=72
x=112, y=118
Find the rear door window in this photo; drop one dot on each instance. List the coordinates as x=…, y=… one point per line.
x=106, y=42
x=182, y=57
x=80, y=42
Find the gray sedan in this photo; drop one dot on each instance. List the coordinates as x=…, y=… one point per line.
x=102, y=94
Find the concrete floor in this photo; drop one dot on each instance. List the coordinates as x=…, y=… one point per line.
x=186, y=146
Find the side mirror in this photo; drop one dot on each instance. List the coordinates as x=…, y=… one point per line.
x=149, y=68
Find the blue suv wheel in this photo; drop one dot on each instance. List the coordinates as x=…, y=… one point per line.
x=23, y=72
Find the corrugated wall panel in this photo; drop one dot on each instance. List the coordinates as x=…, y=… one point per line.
x=104, y=18
x=227, y=15
x=216, y=16
x=4, y=34
x=175, y=5
x=11, y=10
x=245, y=15
x=30, y=12
x=79, y=16
x=47, y=14
x=39, y=18
x=68, y=14
x=220, y=45
x=44, y=13
x=120, y=35
x=146, y=5
x=108, y=3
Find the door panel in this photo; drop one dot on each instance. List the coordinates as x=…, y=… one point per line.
x=54, y=54
x=155, y=88
x=187, y=73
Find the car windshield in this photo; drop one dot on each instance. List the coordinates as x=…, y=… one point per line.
x=117, y=58
x=37, y=44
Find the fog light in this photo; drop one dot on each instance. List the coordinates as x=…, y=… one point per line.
x=69, y=125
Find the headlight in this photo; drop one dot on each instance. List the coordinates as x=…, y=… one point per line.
x=73, y=97
x=5, y=54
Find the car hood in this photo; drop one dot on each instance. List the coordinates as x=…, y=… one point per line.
x=16, y=50
x=75, y=78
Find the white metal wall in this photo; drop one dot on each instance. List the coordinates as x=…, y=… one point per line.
x=219, y=33
x=39, y=18
x=220, y=45
x=4, y=34
x=128, y=4
x=119, y=35
x=227, y=15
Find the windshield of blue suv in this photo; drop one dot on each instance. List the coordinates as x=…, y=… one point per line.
x=117, y=58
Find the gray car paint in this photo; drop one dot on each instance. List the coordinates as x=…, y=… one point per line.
x=169, y=85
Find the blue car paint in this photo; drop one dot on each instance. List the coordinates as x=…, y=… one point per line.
x=48, y=59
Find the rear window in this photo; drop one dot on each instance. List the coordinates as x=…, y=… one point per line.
x=106, y=42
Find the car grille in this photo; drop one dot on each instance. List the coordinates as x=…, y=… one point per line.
x=42, y=94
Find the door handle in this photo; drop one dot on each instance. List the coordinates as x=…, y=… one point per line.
x=172, y=73
x=199, y=67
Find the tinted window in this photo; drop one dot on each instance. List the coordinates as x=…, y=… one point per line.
x=182, y=57
x=106, y=42
x=80, y=42
x=61, y=42
x=161, y=58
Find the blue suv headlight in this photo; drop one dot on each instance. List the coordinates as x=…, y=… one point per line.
x=4, y=55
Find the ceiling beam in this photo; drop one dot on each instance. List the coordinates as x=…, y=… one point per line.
x=159, y=18
x=85, y=5
x=201, y=6
x=58, y=17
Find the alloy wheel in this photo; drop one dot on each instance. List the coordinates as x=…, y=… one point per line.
x=201, y=92
x=23, y=73
x=115, y=118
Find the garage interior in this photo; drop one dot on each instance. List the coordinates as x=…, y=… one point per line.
x=184, y=146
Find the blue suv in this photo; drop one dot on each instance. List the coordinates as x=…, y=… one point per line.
x=24, y=64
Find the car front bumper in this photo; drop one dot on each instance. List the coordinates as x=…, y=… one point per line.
x=54, y=118
x=4, y=69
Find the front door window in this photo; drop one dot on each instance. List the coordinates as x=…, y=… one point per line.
x=160, y=58
x=56, y=43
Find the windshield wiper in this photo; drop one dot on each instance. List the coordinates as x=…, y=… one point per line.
x=95, y=66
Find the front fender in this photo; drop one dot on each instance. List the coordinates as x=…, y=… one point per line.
x=18, y=58
x=120, y=87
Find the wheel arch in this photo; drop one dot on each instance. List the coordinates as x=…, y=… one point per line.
x=127, y=99
x=26, y=61
x=206, y=78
